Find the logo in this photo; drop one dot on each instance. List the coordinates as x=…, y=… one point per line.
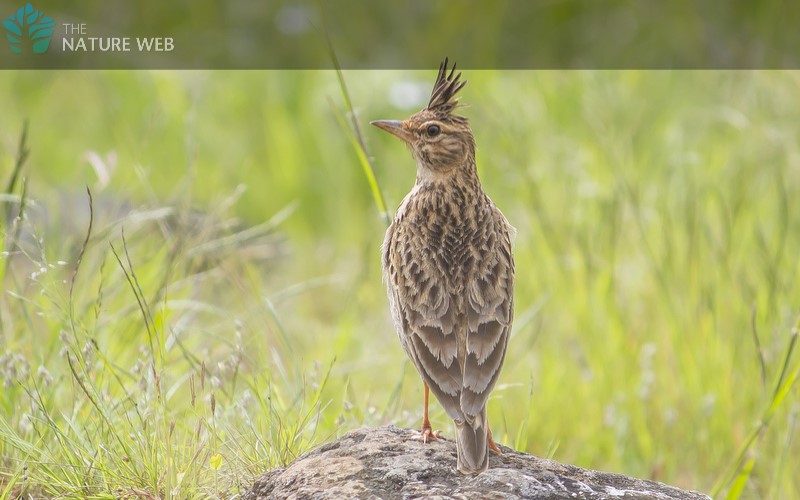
x=29, y=30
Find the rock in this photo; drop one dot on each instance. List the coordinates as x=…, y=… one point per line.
x=388, y=463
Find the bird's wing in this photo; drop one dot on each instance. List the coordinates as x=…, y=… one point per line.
x=425, y=316
x=490, y=310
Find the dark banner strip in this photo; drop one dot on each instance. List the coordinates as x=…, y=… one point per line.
x=373, y=34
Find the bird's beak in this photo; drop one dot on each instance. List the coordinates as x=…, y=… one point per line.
x=394, y=127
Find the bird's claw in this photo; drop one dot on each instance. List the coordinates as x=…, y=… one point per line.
x=492, y=445
x=429, y=435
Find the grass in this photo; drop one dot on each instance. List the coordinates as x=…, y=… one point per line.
x=225, y=311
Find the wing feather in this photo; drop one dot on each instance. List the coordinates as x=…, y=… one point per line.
x=490, y=309
x=428, y=320
x=424, y=317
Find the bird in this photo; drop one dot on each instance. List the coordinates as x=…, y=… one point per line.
x=448, y=267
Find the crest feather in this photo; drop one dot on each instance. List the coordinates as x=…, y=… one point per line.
x=444, y=90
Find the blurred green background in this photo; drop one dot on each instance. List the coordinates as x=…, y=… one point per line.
x=242, y=318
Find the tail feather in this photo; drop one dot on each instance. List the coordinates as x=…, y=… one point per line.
x=471, y=444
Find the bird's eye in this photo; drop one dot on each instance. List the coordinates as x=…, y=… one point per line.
x=433, y=130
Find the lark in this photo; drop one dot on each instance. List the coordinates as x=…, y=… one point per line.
x=449, y=271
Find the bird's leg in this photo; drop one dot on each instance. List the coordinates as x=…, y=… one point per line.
x=492, y=445
x=427, y=432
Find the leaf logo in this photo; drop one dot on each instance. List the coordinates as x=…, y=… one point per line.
x=29, y=29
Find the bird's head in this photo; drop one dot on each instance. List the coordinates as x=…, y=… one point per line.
x=440, y=141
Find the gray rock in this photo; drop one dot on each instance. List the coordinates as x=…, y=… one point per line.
x=392, y=463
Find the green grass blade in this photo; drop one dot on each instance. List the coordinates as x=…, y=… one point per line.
x=739, y=483
x=366, y=165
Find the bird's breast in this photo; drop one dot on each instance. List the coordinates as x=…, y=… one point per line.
x=449, y=234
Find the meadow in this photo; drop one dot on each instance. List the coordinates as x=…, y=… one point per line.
x=192, y=291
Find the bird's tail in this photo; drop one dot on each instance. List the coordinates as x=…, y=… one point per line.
x=471, y=443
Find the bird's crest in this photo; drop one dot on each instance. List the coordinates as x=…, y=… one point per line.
x=444, y=90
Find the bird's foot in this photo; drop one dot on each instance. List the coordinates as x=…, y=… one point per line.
x=428, y=434
x=493, y=446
